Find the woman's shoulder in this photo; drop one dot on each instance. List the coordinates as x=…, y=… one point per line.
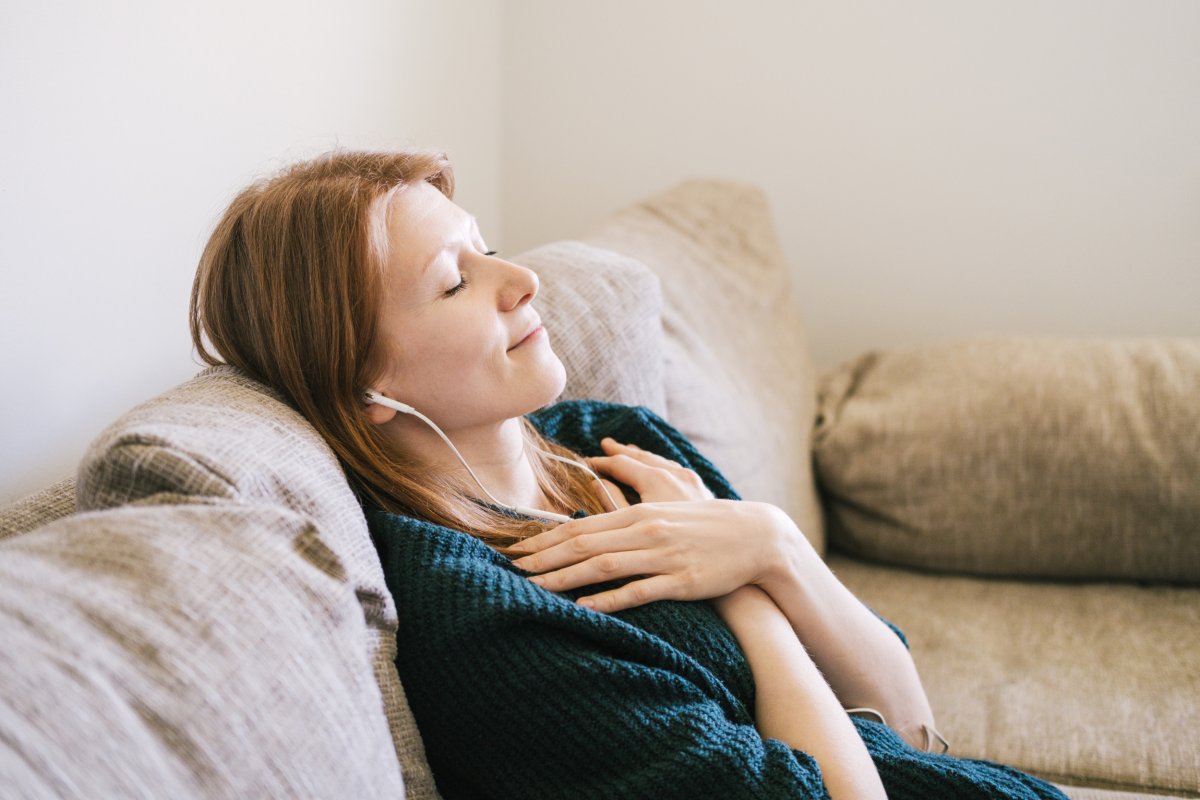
x=412, y=537
x=447, y=573
x=570, y=417
x=581, y=424
x=421, y=557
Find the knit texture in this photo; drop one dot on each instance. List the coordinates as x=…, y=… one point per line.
x=521, y=693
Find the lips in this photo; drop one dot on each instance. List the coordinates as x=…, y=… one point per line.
x=537, y=326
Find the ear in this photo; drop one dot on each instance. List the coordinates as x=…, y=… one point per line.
x=377, y=414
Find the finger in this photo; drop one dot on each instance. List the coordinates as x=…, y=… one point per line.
x=633, y=451
x=601, y=568
x=637, y=473
x=609, y=520
x=632, y=594
x=585, y=546
x=611, y=445
x=609, y=463
x=610, y=495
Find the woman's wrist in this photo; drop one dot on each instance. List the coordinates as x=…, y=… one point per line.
x=739, y=603
x=793, y=702
x=793, y=556
x=839, y=630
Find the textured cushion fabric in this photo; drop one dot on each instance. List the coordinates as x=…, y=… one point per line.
x=224, y=435
x=1085, y=793
x=1092, y=684
x=39, y=508
x=740, y=382
x=178, y=648
x=1019, y=456
x=603, y=313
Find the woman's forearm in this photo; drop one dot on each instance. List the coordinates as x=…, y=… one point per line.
x=793, y=703
x=864, y=661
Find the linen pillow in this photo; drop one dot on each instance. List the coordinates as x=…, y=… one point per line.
x=224, y=435
x=37, y=509
x=603, y=313
x=740, y=382
x=1019, y=456
x=179, y=648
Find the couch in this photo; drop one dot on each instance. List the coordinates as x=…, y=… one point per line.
x=199, y=610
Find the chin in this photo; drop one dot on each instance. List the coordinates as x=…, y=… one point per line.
x=554, y=381
x=547, y=385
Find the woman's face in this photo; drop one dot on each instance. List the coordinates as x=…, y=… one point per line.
x=454, y=320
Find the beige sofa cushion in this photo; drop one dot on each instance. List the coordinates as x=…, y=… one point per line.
x=55, y=501
x=603, y=313
x=1008, y=455
x=1093, y=684
x=739, y=377
x=1087, y=793
x=185, y=649
x=223, y=435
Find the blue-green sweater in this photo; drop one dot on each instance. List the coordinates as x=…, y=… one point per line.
x=520, y=693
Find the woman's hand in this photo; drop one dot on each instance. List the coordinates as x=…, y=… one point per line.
x=682, y=551
x=656, y=479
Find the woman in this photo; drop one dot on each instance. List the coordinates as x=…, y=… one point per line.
x=586, y=666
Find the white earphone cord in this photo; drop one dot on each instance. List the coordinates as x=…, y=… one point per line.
x=373, y=397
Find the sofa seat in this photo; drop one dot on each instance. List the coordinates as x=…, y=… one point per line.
x=1083, y=684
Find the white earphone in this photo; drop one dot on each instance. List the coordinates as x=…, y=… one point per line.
x=404, y=408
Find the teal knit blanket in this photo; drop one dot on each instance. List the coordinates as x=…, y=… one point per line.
x=520, y=693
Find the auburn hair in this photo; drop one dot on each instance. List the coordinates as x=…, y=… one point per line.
x=289, y=290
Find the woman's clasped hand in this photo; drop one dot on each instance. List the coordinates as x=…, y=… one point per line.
x=680, y=541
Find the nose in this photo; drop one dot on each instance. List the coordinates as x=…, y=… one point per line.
x=520, y=288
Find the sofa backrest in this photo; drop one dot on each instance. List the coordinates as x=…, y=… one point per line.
x=603, y=313
x=185, y=647
x=223, y=435
x=738, y=376
x=40, y=508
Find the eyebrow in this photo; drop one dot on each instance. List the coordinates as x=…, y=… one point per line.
x=474, y=227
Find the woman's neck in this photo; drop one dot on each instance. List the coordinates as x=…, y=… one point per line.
x=496, y=453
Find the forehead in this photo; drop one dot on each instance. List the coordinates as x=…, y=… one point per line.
x=421, y=221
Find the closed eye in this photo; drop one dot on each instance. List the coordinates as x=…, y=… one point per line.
x=463, y=282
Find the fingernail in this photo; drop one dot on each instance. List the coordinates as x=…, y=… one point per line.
x=538, y=579
x=588, y=603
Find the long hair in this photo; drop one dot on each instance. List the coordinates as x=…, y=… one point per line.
x=289, y=290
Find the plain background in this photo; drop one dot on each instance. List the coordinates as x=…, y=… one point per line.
x=936, y=169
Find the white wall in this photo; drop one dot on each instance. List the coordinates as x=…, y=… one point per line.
x=127, y=127
x=936, y=169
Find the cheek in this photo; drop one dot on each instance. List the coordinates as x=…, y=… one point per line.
x=449, y=353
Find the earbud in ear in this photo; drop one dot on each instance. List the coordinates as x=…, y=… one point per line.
x=379, y=400
x=387, y=402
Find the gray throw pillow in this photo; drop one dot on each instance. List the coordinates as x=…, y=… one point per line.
x=1021, y=456
x=603, y=313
